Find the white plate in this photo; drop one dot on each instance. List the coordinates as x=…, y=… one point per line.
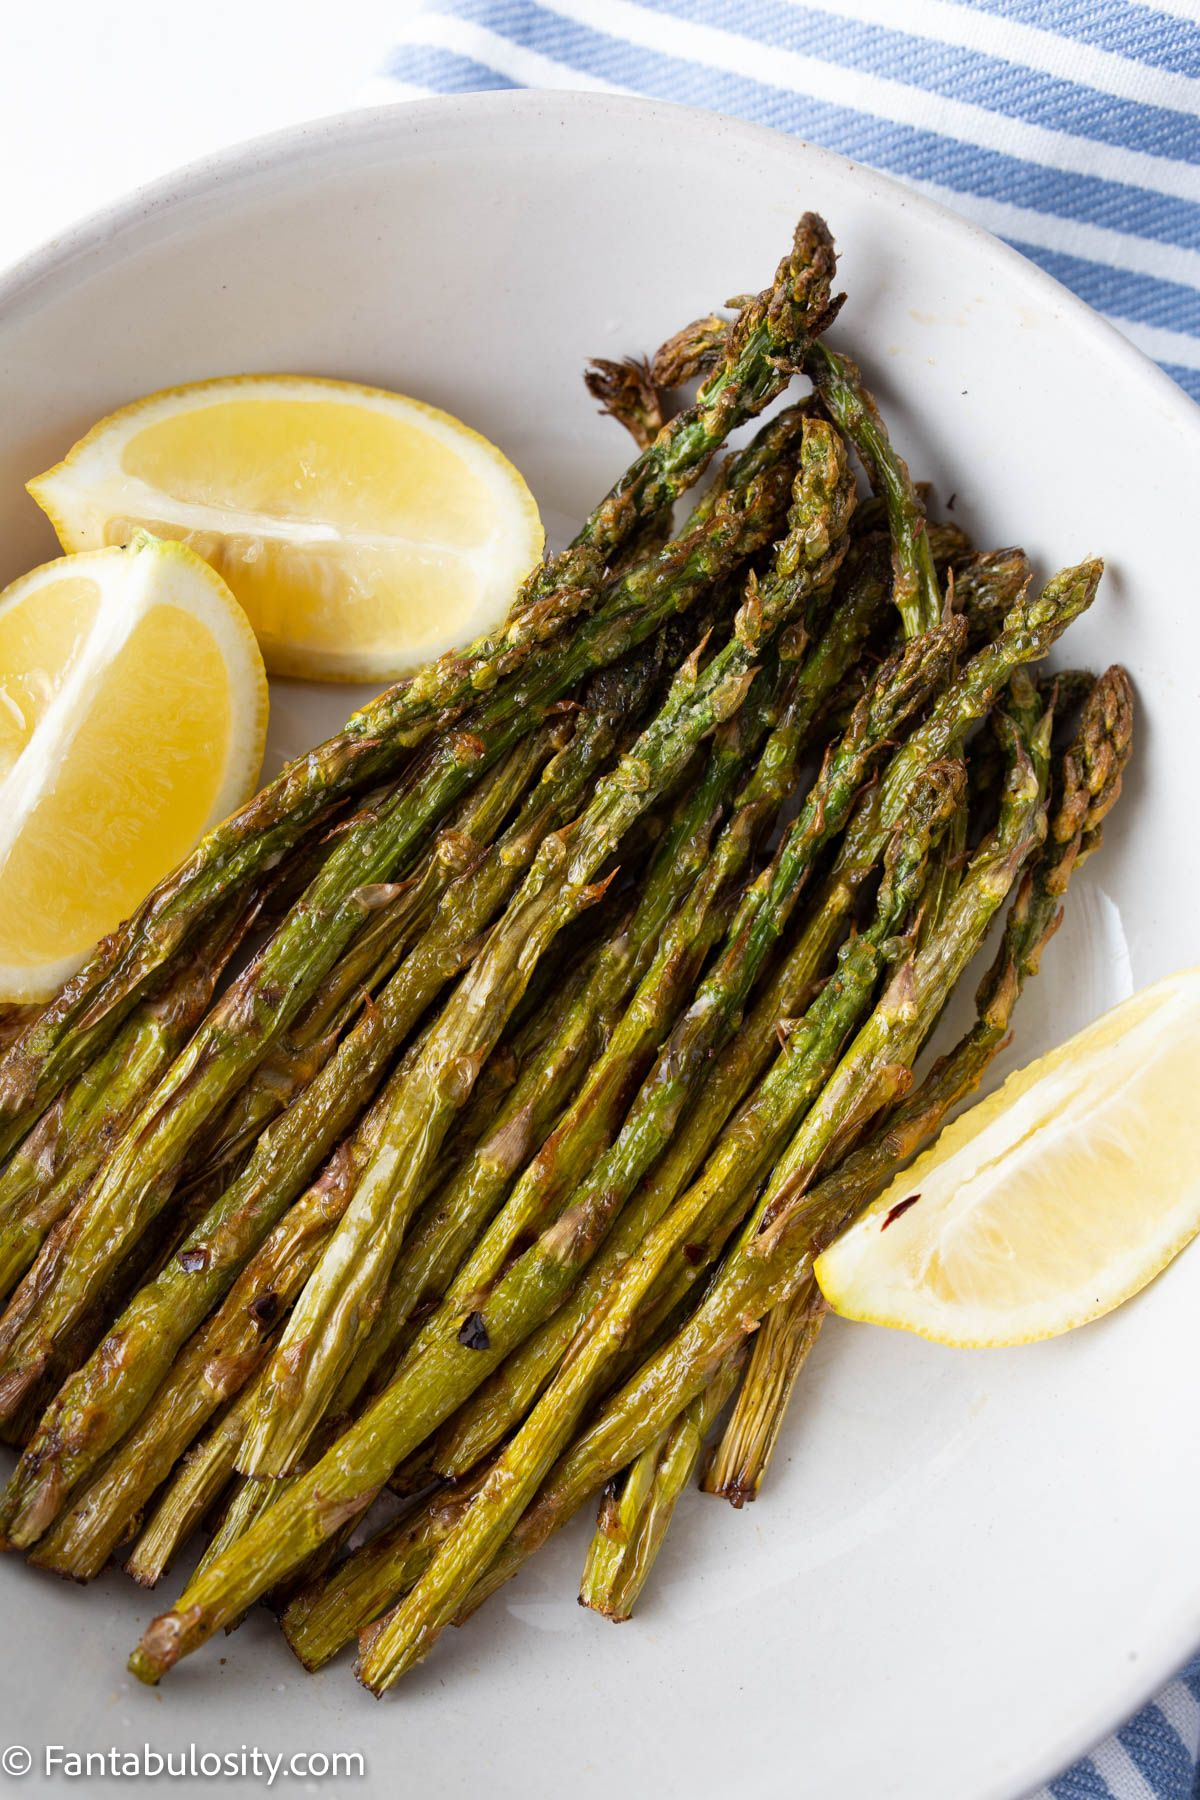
x=967, y=1566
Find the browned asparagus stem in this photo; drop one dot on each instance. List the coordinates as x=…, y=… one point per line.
x=636, y=1508
x=781, y=1348
x=15, y=1018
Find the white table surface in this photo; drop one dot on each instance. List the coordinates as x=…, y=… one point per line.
x=97, y=97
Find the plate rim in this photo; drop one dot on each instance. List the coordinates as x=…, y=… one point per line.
x=348, y=133
x=348, y=130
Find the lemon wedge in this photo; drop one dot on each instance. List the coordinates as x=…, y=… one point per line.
x=362, y=532
x=1048, y=1203
x=133, y=710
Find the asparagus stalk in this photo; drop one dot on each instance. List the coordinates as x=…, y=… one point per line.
x=705, y=885
x=455, y=1216
x=636, y=1510
x=139, y=1178
x=329, y=1319
x=916, y=590
x=106, y=1396
x=765, y=347
x=194, y=1491
x=781, y=1348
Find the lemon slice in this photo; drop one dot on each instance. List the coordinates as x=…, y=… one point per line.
x=1048, y=1203
x=133, y=710
x=363, y=533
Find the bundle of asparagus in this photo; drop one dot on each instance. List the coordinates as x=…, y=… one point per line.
x=597, y=961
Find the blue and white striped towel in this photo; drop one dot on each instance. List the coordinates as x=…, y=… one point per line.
x=1069, y=127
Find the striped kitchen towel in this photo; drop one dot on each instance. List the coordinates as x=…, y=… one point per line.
x=1071, y=128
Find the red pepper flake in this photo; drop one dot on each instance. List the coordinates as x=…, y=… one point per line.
x=901, y=1206
x=473, y=1333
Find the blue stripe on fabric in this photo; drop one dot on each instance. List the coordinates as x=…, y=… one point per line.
x=427, y=65
x=901, y=149
x=1189, y=381
x=950, y=70
x=1138, y=33
x=1159, y=1753
x=1142, y=299
x=1083, y=1782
